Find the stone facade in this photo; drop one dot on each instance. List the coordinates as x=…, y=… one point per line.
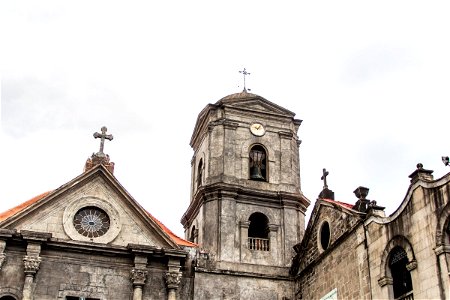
x=89, y=239
x=359, y=262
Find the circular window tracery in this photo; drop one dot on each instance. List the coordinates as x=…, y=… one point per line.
x=91, y=222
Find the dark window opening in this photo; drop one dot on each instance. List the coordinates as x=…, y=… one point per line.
x=448, y=232
x=258, y=163
x=258, y=232
x=200, y=173
x=401, y=277
x=325, y=235
x=194, y=234
x=7, y=298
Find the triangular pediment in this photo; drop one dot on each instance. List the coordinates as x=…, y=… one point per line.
x=255, y=103
x=245, y=102
x=330, y=221
x=110, y=215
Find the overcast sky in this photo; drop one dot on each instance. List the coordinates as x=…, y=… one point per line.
x=370, y=80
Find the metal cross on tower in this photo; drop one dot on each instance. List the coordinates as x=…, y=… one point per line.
x=324, y=178
x=102, y=137
x=244, y=72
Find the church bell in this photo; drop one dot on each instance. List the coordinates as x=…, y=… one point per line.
x=256, y=165
x=255, y=173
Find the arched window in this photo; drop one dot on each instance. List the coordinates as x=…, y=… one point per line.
x=194, y=234
x=7, y=298
x=200, y=173
x=401, y=278
x=258, y=232
x=258, y=163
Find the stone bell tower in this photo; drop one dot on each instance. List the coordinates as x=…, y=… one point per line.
x=247, y=207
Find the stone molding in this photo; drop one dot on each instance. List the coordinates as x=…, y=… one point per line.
x=31, y=264
x=138, y=276
x=173, y=279
x=441, y=249
x=411, y=266
x=385, y=280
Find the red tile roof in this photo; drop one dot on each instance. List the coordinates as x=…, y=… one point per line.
x=176, y=238
x=343, y=204
x=10, y=212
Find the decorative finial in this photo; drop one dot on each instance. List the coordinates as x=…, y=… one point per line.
x=102, y=137
x=244, y=72
x=446, y=160
x=100, y=158
x=324, y=177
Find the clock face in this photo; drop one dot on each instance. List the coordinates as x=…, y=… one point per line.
x=257, y=129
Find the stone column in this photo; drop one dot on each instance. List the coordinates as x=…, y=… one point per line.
x=173, y=277
x=4, y=234
x=443, y=254
x=2, y=253
x=32, y=260
x=138, y=277
x=172, y=282
x=31, y=266
x=139, y=272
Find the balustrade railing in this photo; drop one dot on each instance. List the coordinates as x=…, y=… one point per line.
x=258, y=244
x=407, y=296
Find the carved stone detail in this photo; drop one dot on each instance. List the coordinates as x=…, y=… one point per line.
x=138, y=276
x=173, y=279
x=412, y=265
x=31, y=264
x=2, y=259
x=385, y=281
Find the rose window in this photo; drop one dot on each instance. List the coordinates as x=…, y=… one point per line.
x=91, y=222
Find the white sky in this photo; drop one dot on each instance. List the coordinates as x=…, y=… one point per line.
x=370, y=80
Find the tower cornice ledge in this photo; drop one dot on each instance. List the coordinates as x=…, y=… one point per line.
x=242, y=194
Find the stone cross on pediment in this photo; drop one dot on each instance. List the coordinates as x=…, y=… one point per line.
x=324, y=178
x=103, y=136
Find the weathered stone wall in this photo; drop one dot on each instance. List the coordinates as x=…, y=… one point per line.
x=341, y=269
x=340, y=223
x=63, y=273
x=416, y=227
x=214, y=286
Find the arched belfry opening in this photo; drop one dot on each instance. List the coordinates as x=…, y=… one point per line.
x=258, y=232
x=401, y=277
x=194, y=234
x=258, y=163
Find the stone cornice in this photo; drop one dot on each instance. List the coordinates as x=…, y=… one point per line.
x=35, y=236
x=242, y=194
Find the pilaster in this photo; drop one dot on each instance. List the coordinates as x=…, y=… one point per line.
x=173, y=278
x=32, y=260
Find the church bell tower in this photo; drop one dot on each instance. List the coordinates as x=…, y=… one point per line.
x=247, y=207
